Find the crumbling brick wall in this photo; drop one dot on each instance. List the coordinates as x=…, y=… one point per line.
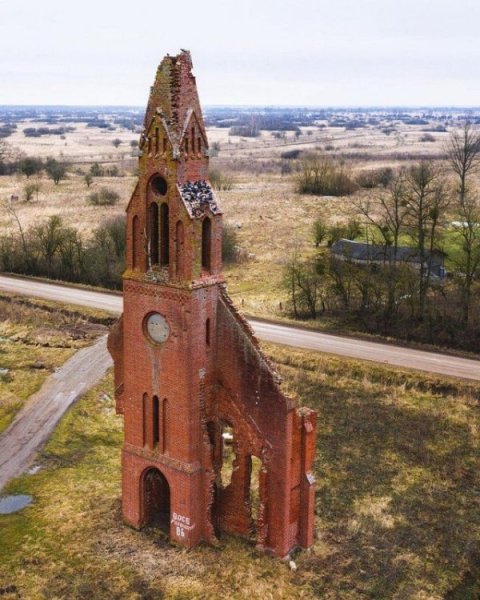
x=211, y=442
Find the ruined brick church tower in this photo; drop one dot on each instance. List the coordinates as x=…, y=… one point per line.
x=211, y=442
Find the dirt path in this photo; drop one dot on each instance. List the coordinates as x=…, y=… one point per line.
x=34, y=424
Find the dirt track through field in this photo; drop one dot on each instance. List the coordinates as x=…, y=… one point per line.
x=34, y=424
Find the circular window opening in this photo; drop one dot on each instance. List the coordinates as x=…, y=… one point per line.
x=159, y=186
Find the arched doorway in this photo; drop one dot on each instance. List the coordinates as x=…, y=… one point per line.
x=156, y=500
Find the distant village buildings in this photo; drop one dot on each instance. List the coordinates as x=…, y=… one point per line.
x=364, y=254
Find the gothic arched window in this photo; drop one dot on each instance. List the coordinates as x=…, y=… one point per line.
x=155, y=421
x=164, y=235
x=206, y=243
x=153, y=233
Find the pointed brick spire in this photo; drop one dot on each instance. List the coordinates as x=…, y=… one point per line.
x=174, y=97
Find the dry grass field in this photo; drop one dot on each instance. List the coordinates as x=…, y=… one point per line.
x=272, y=221
x=398, y=514
x=84, y=144
x=36, y=338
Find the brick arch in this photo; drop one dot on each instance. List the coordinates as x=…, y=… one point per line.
x=230, y=503
x=230, y=410
x=155, y=498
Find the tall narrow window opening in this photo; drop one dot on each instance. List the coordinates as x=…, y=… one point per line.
x=206, y=243
x=256, y=467
x=135, y=237
x=193, y=140
x=179, y=236
x=164, y=235
x=199, y=145
x=186, y=145
x=145, y=418
x=164, y=143
x=149, y=145
x=228, y=455
x=155, y=421
x=153, y=233
x=157, y=140
x=207, y=332
x=164, y=424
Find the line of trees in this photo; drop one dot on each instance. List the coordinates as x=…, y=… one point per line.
x=52, y=249
x=57, y=251
x=28, y=165
x=420, y=209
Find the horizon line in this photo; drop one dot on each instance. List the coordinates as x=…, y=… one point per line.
x=258, y=106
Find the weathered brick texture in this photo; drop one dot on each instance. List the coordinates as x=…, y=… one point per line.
x=211, y=442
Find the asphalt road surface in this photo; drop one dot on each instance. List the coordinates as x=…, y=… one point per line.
x=386, y=354
x=35, y=422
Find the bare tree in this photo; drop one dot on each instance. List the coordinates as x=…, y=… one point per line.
x=468, y=263
x=13, y=213
x=463, y=155
x=49, y=237
x=427, y=198
x=303, y=281
x=30, y=189
x=56, y=170
x=387, y=213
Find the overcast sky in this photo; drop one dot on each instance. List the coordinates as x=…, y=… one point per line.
x=288, y=52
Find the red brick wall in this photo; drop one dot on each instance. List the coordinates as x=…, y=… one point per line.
x=252, y=388
x=206, y=384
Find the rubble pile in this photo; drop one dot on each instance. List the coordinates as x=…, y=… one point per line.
x=199, y=195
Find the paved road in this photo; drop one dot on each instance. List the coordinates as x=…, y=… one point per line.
x=386, y=354
x=62, y=293
x=37, y=419
x=344, y=346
